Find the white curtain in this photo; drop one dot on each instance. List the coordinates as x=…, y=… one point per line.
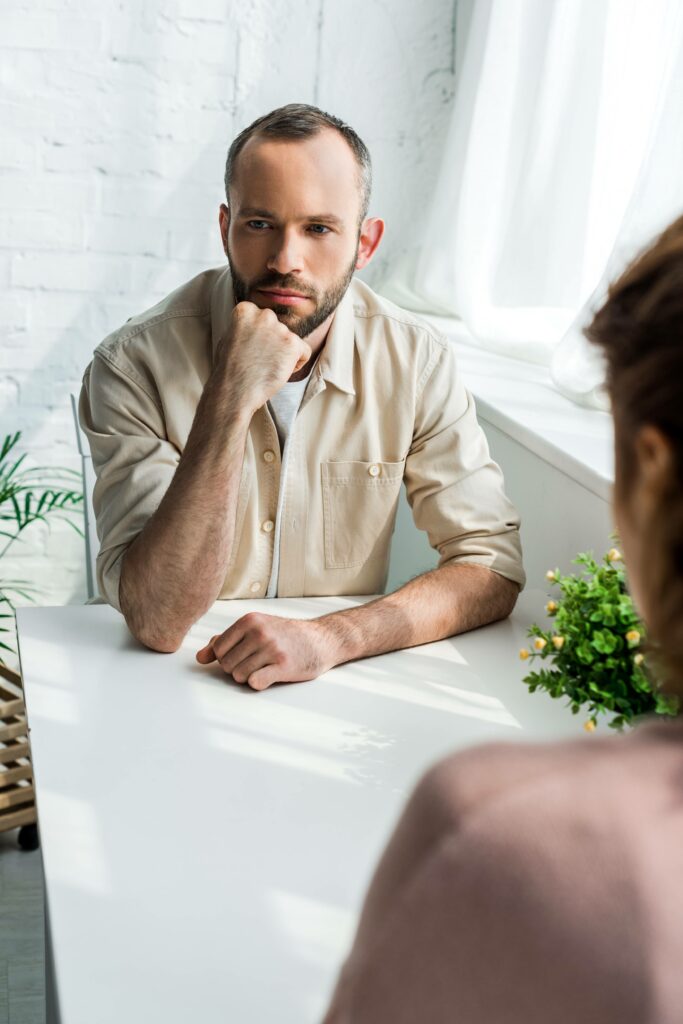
x=565, y=152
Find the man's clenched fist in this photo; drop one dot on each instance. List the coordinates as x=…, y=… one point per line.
x=260, y=354
x=264, y=649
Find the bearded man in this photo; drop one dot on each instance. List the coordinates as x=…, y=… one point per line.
x=250, y=433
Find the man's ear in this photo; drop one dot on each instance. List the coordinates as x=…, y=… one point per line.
x=224, y=221
x=371, y=233
x=656, y=458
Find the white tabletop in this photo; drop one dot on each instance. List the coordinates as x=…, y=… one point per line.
x=206, y=847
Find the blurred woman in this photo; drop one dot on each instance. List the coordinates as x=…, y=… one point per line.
x=543, y=884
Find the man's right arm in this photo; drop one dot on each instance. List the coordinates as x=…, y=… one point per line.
x=173, y=568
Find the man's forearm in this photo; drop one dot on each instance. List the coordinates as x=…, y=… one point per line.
x=438, y=604
x=174, y=569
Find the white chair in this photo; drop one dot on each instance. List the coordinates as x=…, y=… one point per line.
x=92, y=543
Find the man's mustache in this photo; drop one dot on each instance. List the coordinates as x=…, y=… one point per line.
x=284, y=283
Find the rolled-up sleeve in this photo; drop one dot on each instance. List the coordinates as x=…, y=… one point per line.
x=133, y=461
x=454, y=487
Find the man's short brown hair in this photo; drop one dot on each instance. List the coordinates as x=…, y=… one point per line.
x=301, y=121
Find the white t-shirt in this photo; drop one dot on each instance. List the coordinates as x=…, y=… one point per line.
x=284, y=405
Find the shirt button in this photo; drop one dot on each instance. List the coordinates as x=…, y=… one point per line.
x=267, y=526
x=269, y=456
x=374, y=470
x=255, y=587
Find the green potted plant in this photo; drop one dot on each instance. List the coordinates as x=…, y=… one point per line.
x=29, y=495
x=595, y=649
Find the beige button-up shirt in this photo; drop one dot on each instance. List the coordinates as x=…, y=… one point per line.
x=384, y=404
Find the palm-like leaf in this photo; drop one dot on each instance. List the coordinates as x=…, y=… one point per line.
x=29, y=495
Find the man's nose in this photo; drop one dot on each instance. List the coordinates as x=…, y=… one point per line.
x=286, y=256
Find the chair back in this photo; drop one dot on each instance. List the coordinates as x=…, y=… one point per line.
x=92, y=543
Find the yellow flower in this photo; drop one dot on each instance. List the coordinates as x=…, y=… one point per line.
x=524, y=654
x=633, y=636
x=639, y=659
x=551, y=607
x=589, y=726
x=558, y=642
x=540, y=643
x=550, y=575
x=614, y=555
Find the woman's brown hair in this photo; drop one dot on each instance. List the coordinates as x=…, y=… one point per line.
x=640, y=331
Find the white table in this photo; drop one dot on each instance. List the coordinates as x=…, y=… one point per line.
x=206, y=847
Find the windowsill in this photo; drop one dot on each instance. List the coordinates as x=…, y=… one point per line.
x=520, y=400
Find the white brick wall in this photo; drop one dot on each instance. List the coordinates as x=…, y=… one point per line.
x=115, y=119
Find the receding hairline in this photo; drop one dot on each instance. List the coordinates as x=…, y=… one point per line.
x=258, y=138
x=297, y=122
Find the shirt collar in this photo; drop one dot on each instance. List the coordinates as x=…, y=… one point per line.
x=336, y=358
x=335, y=364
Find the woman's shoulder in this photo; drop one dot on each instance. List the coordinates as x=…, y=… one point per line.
x=546, y=894
x=577, y=770
x=598, y=821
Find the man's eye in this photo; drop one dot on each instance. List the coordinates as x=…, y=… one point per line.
x=319, y=229
x=258, y=225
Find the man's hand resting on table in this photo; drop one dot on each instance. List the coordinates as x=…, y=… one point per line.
x=264, y=649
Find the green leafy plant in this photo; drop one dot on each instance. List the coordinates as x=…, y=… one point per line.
x=595, y=647
x=29, y=495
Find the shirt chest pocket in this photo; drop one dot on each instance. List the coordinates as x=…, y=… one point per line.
x=359, y=509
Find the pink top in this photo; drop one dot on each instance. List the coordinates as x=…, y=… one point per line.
x=530, y=885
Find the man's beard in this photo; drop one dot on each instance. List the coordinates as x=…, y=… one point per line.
x=325, y=302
